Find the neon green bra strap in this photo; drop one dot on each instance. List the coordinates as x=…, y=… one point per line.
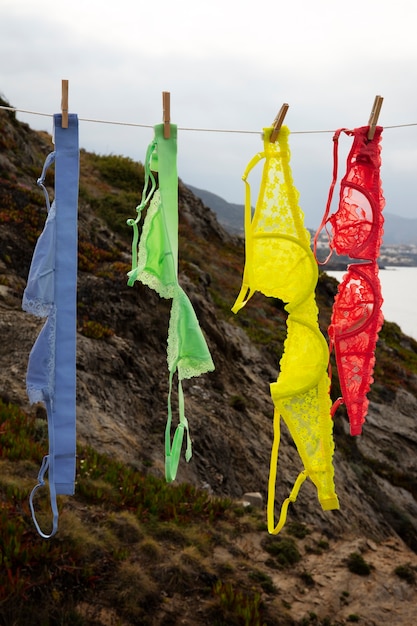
x=173, y=451
x=144, y=201
x=272, y=529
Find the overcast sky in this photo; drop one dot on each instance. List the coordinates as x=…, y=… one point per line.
x=228, y=65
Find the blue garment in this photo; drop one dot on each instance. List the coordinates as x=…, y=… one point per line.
x=51, y=292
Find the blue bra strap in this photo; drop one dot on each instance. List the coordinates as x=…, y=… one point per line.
x=40, y=182
x=52, y=493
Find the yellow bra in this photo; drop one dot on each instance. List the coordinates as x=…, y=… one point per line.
x=279, y=263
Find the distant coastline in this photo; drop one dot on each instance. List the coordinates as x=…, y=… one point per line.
x=399, y=248
x=396, y=255
x=400, y=299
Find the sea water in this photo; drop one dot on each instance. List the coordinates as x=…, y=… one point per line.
x=399, y=290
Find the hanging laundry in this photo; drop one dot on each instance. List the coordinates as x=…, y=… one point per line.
x=279, y=263
x=51, y=292
x=155, y=263
x=356, y=231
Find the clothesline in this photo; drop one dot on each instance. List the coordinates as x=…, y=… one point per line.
x=201, y=130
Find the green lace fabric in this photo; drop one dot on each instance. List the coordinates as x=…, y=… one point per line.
x=155, y=264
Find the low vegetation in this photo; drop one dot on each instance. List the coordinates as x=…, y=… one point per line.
x=127, y=545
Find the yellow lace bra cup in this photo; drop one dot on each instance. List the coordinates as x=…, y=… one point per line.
x=306, y=416
x=276, y=236
x=298, y=271
x=277, y=208
x=305, y=355
x=301, y=397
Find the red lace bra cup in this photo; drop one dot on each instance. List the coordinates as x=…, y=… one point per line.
x=357, y=225
x=356, y=321
x=353, y=225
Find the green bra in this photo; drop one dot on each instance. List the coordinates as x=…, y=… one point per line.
x=155, y=264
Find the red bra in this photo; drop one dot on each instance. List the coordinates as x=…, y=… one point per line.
x=357, y=225
x=357, y=229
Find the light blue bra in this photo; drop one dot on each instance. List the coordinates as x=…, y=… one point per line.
x=51, y=292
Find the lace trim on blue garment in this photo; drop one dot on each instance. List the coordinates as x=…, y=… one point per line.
x=39, y=294
x=40, y=384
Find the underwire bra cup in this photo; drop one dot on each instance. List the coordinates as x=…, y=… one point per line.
x=39, y=294
x=357, y=224
x=355, y=324
x=353, y=225
x=361, y=189
x=301, y=392
x=306, y=353
x=155, y=260
x=283, y=268
x=313, y=437
x=359, y=301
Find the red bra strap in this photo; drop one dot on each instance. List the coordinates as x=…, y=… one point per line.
x=330, y=196
x=339, y=400
x=336, y=405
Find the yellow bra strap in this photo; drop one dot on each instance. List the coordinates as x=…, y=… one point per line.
x=245, y=291
x=272, y=481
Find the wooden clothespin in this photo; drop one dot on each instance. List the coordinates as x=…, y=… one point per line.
x=373, y=120
x=166, y=113
x=64, y=104
x=278, y=121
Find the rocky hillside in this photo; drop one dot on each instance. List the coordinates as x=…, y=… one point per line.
x=229, y=215
x=398, y=231
x=122, y=391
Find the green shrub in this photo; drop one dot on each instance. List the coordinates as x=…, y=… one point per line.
x=357, y=564
x=90, y=256
x=307, y=579
x=120, y=171
x=238, y=402
x=264, y=580
x=406, y=572
x=95, y=330
x=239, y=608
x=297, y=529
x=116, y=210
x=283, y=549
